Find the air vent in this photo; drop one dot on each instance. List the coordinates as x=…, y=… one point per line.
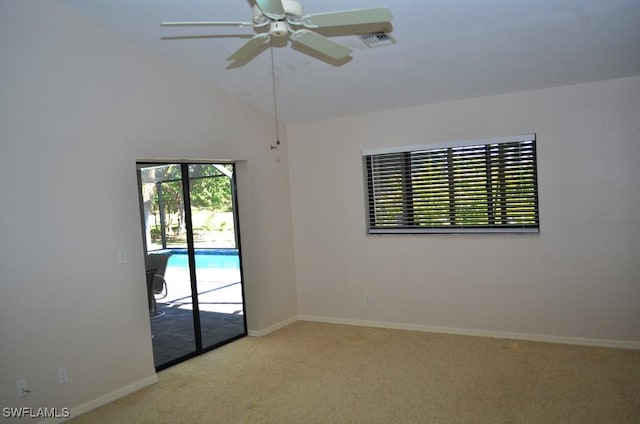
x=377, y=39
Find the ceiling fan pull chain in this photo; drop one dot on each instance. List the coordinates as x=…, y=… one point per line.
x=275, y=98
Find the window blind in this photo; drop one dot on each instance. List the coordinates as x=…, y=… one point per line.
x=481, y=186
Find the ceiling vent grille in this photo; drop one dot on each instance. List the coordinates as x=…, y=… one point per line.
x=377, y=39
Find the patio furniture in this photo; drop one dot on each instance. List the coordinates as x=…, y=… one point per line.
x=156, y=266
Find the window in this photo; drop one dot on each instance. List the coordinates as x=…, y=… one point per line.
x=478, y=186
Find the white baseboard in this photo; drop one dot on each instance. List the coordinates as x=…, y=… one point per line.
x=105, y=399
x=272, y=328
x=580, y=341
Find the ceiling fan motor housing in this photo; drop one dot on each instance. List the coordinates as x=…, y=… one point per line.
x=291, y=8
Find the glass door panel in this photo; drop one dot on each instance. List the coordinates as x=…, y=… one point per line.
x=169, y=282
x=220, y=300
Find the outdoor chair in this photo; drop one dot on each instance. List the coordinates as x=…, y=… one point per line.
x=156, y=266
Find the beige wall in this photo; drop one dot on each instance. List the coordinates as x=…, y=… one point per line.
x=78, y=107
x=579, y=278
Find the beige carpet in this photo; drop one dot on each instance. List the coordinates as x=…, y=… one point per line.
x=324, y=373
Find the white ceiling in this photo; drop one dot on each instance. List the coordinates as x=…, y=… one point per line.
x=445, y=50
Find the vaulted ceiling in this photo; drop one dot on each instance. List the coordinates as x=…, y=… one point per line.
x=445, y=50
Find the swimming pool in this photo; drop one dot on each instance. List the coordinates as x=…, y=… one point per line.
x=205, y=258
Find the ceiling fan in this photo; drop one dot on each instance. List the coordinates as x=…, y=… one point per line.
x=282, y=19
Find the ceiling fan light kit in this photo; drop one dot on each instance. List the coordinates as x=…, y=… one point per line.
x=286, y=18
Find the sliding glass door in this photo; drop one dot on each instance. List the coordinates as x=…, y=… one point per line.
x=192, y=251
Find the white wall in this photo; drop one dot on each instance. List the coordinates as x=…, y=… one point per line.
x=78, y=107
x=578, y=278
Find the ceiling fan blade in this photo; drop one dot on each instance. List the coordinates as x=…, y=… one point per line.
x=348, y=17
x=271, y=8
x=194, y=37
x=320, y=44
x=249, y=48
x=190, y=24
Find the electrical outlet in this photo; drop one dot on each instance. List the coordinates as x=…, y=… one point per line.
x=21, y=385
x=367, y=298
x=63, y=375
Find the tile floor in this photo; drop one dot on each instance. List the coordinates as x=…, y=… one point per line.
x=173, y=334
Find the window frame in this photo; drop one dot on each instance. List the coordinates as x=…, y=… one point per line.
x=407, y=218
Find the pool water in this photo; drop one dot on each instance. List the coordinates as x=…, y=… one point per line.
x=205, y=258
